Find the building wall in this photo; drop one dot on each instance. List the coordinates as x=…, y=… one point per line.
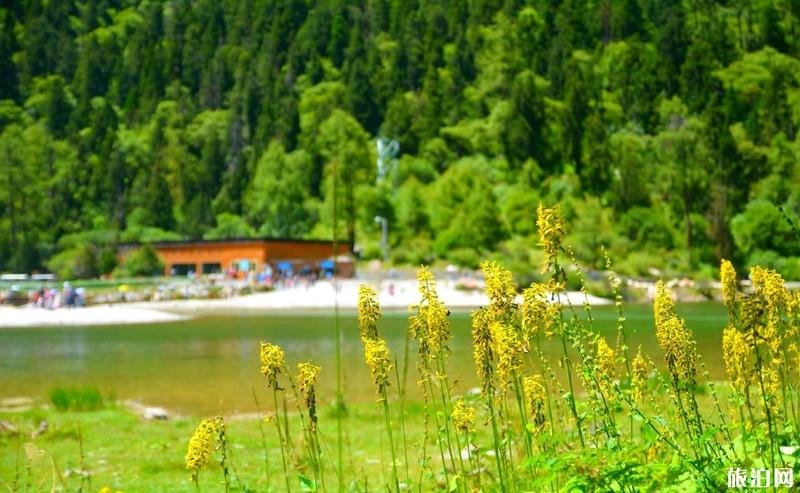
x=224, y=254
x=228, y=253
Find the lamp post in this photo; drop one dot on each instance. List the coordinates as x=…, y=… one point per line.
x=384, y=236
x=387, y=153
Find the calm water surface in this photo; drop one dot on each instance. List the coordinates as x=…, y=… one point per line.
x=210, y=364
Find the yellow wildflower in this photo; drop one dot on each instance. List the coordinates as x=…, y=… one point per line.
x=482, y=347
x=751, y=311
x=772, y=389
x=431, y=325
x=427, y=283
x=307, y=376
x=654, y=450
x=499, y=284
x=379, y=361
x=673, y=337
x=727, y=276
x=794, y=352
x=508, y=349
x=202, y=444
x=271, y=362
x=639, y=371
x=769, y=285
x=463, y=417
x=538, y=314
x=606, y=359
x=738, y=358
x=793, y=315
x=663, y=307
x=770, y=290
x=368, y=312
x=551, y=233
x=535, y=398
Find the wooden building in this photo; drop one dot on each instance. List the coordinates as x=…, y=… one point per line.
x=240, y=256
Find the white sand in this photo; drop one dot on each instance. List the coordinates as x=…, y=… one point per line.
x=321, y=296
x=317, y=297
x=93, y=315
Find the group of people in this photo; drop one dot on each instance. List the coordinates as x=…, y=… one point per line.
x=51, y=298
x=284, y=275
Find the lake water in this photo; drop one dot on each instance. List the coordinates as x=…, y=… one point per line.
x=210, y=364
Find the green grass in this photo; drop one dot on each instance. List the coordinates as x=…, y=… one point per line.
x=131, y=454
x=76, y=398
x=126, y=452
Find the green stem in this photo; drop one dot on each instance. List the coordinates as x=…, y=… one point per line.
x=280, y=438
x=504, y=417
x=543, y=366
x=498, y=451
x=571, y=401
x=263, y=434
x=439, y=440
x=444, y=391
x=391, y=440
x=402, y=416
x=223, y=462
x=523, y=415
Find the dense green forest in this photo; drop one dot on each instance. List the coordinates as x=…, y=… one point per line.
x=667, y=130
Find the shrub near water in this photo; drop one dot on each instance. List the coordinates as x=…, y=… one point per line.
x=76, y=399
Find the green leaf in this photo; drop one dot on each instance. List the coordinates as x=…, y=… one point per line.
x=454, y=483
x=307, y=484
x=707, y=435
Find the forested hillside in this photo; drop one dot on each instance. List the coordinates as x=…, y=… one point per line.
x=666, y=130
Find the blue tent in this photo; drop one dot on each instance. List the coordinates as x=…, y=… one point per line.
x=327, y=265
x=285, y=267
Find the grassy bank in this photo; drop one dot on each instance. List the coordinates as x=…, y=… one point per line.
x=86, y=451
x=126, y=452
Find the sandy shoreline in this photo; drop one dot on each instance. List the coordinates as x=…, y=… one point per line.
x=93, y=315
x=392, y=294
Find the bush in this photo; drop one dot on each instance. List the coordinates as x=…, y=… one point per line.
x=143, y=261
x=106, y=260
x=230, y=226
x=80, y=262
x=641, y=264
x=415, y=251
x=145, y=234
x=762, y=227
x=647, y=228
x=788, y=267
x=371, y=250
x=465, y=257
x=76, y=399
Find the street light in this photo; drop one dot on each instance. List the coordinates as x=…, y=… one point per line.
x=384, y=236
x=387, y=154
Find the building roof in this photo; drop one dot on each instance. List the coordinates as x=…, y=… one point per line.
x=168, y=243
